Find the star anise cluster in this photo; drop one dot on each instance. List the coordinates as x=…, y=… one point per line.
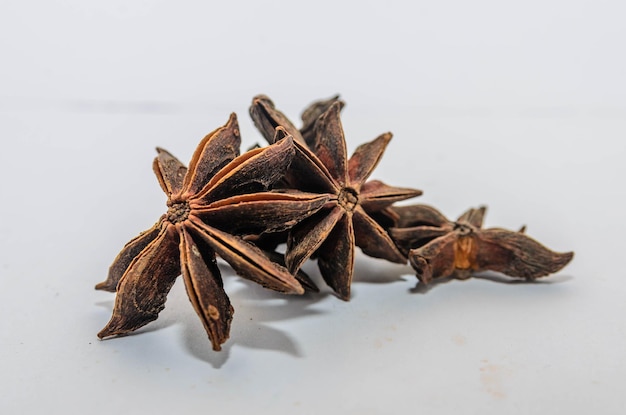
x=302, y=190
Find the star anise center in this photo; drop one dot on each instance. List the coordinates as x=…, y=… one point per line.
x=178, y=212
x=348, y=198
x=463, y=229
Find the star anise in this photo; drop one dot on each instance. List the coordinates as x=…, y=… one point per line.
x=221, y=195
x=266, y=118
x=439, y=248
x=332, y=233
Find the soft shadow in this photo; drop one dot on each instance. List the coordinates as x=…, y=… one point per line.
x=245, y=331
x=503, y=279
x=254, y=307
x=378, y=271
x=421, y=288
x=197, y=343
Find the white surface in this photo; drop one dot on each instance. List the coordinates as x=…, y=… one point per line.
x=520, y=107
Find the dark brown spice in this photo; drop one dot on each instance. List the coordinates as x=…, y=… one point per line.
x=304, y=191
x=221, y=195
x=266, y=118
x=439, y=248
x=332, y=233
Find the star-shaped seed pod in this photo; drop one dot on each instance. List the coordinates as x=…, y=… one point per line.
x=221, y=195
x=266, y=118
x=346, y=221
x=439, y=248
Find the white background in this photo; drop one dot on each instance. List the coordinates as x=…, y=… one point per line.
x=517, y=105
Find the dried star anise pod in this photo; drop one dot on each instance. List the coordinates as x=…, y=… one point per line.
x=439, y=248
x=266, y=118
x=220, y=195
x=332, y=233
